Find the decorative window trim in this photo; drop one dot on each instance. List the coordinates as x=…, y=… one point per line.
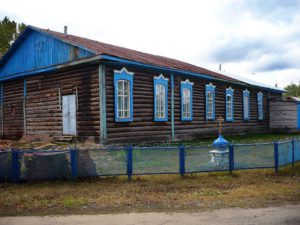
x=246, y=93
x=210, y=88
x=260, y=101
x=123, y=74
x=162, y=81
x=186, y=85
x=229, y=92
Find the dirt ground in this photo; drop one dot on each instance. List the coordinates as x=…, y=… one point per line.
x=282, y=215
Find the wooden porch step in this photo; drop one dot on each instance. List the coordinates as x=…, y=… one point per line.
x=64, y=138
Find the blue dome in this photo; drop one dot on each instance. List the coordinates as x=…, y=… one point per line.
x=220, y=141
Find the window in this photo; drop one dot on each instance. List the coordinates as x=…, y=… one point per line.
x=260, y=106
x=123, y=82
x=229, y=104
x=246, y=104
x=160, y=98
x=210, y=101
x=186, y=100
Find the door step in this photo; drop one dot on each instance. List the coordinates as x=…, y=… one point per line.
x=64, y=138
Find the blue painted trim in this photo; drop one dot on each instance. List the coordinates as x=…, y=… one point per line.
x=129, y=163
x=298, y=116
x=210, y=88
x=187, y=85
x=25, y=88
x=163, y=69
x=102, y=102
x=246, y=93
x=260, y=100
x=172, y=107
x=50, y=68
x=163, y=81
x=182, y=160
x=229, y=91
x=1, y=94
x=123, y=75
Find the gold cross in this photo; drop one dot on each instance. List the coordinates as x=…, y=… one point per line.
x=220, y=120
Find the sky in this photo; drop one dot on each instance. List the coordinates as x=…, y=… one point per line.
x=255, y=39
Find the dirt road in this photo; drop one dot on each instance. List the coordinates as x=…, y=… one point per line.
x=274, y=216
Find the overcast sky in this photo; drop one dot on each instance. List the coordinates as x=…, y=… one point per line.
x=257, y=39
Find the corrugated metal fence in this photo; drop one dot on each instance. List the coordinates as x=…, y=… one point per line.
x=17, y=165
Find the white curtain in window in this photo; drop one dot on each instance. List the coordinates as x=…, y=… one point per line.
x=186, y=104
x=209, y=99
x=160, y=101
x=229, y=106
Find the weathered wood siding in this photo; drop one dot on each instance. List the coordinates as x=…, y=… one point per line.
x=144, y=128
x=43, y=110
x=283, y=114
x=13, y=108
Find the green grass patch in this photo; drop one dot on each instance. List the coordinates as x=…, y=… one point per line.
x=193, y=192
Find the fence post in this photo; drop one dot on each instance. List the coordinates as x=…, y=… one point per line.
x=73, y=153
x=231, y=158
x=129, y=162
x=293, y=152
x=15, y=165
x=182, y=160
x=276, y=160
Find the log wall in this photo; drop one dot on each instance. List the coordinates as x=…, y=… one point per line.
x=43, y=109
x=143, y=128
x=13, y=109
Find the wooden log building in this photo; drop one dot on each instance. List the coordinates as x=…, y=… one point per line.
x=58, y=84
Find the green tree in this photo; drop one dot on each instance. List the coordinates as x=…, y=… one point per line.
x=9, y=31
x=292, y=90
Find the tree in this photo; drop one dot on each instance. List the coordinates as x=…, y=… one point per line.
x=292, y=90
x=9, y=31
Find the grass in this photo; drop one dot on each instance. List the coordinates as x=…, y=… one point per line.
x=249, y=138
x=194, y=192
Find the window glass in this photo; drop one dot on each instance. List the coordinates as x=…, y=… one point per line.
x=209, y=99
x=229, y=106
x=186, y=111
x=123, y=99
x=160, y=101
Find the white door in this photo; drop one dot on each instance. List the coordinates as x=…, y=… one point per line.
x=69, y=114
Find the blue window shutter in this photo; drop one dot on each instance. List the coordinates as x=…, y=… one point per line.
x=187, y=85
x=210, y=88
x=247, y=115
x=229, y=92
x=123, y=74
x=162, y=81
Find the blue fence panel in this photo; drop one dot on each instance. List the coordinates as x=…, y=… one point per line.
x=102, y=162
x=44, y=165
x=152, y=160
x=6, y=170
x=285, y=153
x=201, y=159
x=249, y=156
x=297, y=150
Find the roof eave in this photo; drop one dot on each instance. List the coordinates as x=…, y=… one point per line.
x=183, y=72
